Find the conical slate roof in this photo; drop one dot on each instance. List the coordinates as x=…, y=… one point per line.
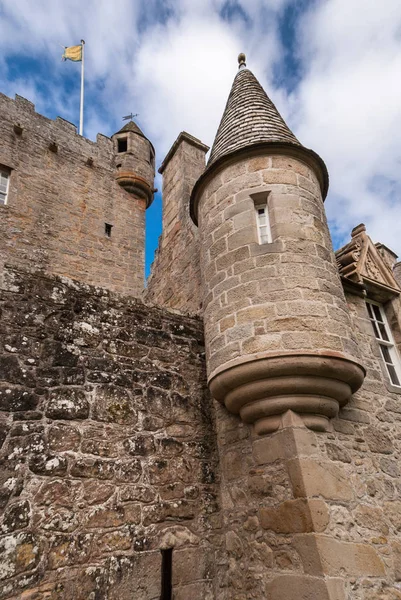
x=250, y=117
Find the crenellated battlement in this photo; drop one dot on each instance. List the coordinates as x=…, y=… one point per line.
x=22, y=118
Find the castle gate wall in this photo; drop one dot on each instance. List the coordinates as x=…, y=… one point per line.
x=107, y=445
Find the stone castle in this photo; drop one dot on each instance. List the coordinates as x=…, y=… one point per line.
x=231, y=432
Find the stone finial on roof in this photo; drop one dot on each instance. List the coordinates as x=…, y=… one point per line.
x=249, y=118
x=241, y=60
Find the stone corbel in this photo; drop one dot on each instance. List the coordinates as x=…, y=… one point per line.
x=264, y=389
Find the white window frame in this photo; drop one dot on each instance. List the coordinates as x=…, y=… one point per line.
x=263, y=221
x=388, y=349
x=4, y=173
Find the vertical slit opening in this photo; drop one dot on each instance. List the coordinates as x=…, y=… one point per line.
x=107, y=229
x=167, y=574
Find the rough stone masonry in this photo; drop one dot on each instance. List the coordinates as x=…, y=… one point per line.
x=107, y=445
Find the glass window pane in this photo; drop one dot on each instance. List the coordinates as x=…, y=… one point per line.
x=3, y=188
x=393, y=375
x=368, y=304
x=383, y=332
x=376, y=310
x=261, y=211
x=386, y=354
x=2, y=198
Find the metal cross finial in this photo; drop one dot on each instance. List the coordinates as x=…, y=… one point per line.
x=130, y=117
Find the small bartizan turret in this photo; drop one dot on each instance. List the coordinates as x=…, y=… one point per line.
x=135, y=162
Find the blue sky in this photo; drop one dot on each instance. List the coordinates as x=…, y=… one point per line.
x=331, y=66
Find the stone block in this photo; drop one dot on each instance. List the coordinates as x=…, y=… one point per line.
x=105, y=517
x=378, y=441
x=234, y=545
x=58, y=493
x=261, y=343
x=323, y=555
x=240, y=238
x=258, y=163
x=274, y=176
x=302, y=587
x=16, y=516
x=68, y=404
x=190, y=564
x=283, y=445
x=20, y=552
x=317, y=478
x=392, y=511
x=295, y=516
x=113, y=404
x=256, y=313
x=372, y=518
x=63, y=437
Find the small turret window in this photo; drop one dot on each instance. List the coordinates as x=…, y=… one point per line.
x=122, y=145
x=386, y=342
x=4, y=180
x=262, y=217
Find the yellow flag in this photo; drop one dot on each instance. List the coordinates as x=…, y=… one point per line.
x=73, y=53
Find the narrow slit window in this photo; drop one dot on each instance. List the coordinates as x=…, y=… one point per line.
x=107, y=229
x=386, y=343
x=122, y=145
x=263, y=223
x=167, y=574
x=4, y=182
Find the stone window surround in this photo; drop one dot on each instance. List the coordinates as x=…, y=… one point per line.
x=391, y=344
x=261, y=202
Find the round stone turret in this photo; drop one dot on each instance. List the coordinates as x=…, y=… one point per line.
x=135, y=162
x=277, y=328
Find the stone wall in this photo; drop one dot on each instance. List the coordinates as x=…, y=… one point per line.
x=175, y=278
x=317, y=515
x=58, y=203
x=108, y=446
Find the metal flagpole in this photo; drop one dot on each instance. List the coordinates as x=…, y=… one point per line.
x=81, y=112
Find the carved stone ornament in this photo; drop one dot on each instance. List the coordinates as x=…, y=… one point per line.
x=372, y=269
x=360, y=262
x=263, y=390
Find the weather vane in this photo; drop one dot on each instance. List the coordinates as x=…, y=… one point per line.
x=130, y=117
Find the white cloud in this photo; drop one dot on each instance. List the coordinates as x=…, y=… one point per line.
x=349, y=110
